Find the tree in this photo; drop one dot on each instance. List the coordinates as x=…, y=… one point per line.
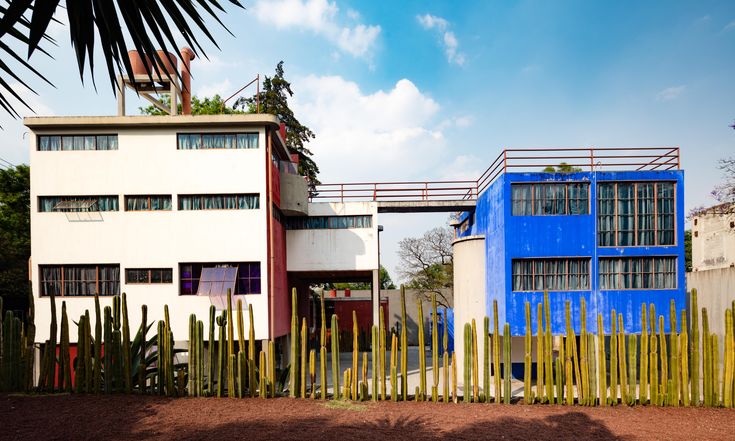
x=562, y=168
x=426, y=262
x=724, y=193
x=688, y=250
x=15, y=233
x=199, y=106
x=274, y=100
x=105, y=24
x=385, y=283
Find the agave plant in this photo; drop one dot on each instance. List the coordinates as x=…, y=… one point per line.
x=149, y=25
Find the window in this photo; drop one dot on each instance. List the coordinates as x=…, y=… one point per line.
x=219, y=201
x=329, y=222
x=635, y=213
x=550, y=199
x=557, y=274
x=101, y=203
x=148, y=276
x=248, y=276
x=200, y=141
x=148, y=203
x=76, y=142
x=80, y=280
x=638, y=273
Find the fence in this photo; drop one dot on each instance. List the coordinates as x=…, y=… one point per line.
x=650, y=368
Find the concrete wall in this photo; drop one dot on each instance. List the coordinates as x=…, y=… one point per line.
x=339, y=249
x=148, y=162
x=713, y=241
x=716, y=292
x=509, y=237
x=294, y=195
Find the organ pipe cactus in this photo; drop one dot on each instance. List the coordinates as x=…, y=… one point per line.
x=548, y=365
x=108, y=351
x=475, y=377
x=51, y=369
x=454, y=377
x=445, y=359
x=486, y=358
x=506, y=364
x=674, y=355
x=323, y=372
x=613, y=357
x=394, y=368
x=404, y=346
x=540, y=354
x=272, y=367
x=293, y=356
x=231, y=361
x=375, y=347
x=643, y=389
x=263, y=387
x=79, y=372
x=694, y=344
x=583, y=390
x=381, y=348
x=467, y=386
x=568, y=362
x=211, y=352
x=684, y=360
x=727, y=387
x=355, y=356
x=496, y=352
x=632, y=364
x=127, y=361
x=335, y=356
x=592, y=369
x=622, y=361
x=221, y=354
x=707, y=359
x=663, y=389
x=251, y=353
x=715, y=363
x=302, y=363
x=653, y=367
x=435, y=349
x=97, y=345
x=64, y=357
x=527, y=392
x=602, y=370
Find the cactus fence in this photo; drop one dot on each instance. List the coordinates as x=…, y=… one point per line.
x=650, y=368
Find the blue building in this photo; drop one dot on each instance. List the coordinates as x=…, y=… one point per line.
x=611, y=231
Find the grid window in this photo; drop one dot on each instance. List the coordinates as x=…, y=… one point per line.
x=203, y=141
x=219, y=201
x=47, y=143
x=329, y=222
x=148, y=202
x=148, y=275
x=558, y=274
x=550, y=199
x=101, y=203
x=635, y=214
x=638, y=273
x=248, y=276
x=80, y=280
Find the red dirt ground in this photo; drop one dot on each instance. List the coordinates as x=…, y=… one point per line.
x=134, y=417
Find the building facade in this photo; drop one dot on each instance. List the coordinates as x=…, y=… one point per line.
x=713, y=238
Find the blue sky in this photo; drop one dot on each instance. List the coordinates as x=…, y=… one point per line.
x=429, y=90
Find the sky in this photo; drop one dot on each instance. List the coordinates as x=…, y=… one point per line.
x=422, y=90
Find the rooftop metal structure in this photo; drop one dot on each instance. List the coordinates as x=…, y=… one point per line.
x=459, y=195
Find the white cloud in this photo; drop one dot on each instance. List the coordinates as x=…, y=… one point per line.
x=449, y=40
x=222, y=88
x=670, y=93
x=322, y=18
x=384, y=135
x=463, y=167
x=729, y=27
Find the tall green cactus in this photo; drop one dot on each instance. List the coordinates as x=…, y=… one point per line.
x=467, y=386
x=622, y=361
x=169, y=352
x=707, y=360
x=694, y=344
x=569, y=340
x=374, y=347
x=79, y=372
x=394, y=368
x=540, y=354
x=653, y=366
x=242, y=366
x=664, y=389
x=434, y=350
x=592, y=370
x=715, y=371
x=381, y=348
x=548, y=365
x=445, y=359
x=583, y=358
x=192, y=355
x=355, y=356
x=64, y=355
x=454, y=377
x=506, y=364
x=263, y=384
x=632, y=368
x=108, y=349
x=527, y=392
x=97, y=345
x=335, y=356
x=252, y=380
x=727, y=394
x=684, y=359
x=211, y=361
x=222, y=354
x=302, y=364
x=293, y=356
x=127, y=361
x=231, y=360
x=475, y=367
x=486, y=358
x=496, y=353
x=613, y=357
x=51, y=370
x=674, y=355
x=643, y=392
x=323, y=372
x=601, y=361
x=404, y=347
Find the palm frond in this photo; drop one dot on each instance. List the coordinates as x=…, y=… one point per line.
x=148, y=25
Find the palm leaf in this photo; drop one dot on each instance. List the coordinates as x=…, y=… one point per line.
x=108, y=24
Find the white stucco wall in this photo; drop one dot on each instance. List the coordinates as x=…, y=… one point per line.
x=713, y=241
x=148, y=162
x=335, y=250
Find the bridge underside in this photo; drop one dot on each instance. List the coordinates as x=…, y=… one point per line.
x=425, y=206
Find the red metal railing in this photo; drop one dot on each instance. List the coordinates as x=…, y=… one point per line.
x=509, y=160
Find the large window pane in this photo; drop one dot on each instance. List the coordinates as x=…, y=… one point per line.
x=196, y=141
x=219, y=202
x=557, y=274
x=637, y=273
x=80, y=280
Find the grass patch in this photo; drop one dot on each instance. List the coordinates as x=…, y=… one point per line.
x=345, y=405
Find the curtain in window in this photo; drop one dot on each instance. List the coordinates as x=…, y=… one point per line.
x=51, y=280
x=626, y=214
x=106, y=203
x=665, y=272
x=49, y=143
x=109, y=280
x=608, y=269
x=578, y=198
x=136, y=203
x=160, y=202
x=248, y=202
x=90, y=143
x=80, y=280
x=606, y=214
x=247, y=140
x=665, y=208
x=645, y=196
x=521, y=197
x=522, y=275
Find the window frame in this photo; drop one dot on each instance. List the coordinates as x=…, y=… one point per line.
x=533, y=186
x=62, y=281
x=534, y=261
x=331, y=222
x=63, y=198
x=201, y=265
x=83, y=135
x=148, y=196
x=201, y=140
x=150, y=276
x=636, y=231
x=211, y=195
x=620, y=273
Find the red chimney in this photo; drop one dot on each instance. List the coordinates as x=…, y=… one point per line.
x=186, y=56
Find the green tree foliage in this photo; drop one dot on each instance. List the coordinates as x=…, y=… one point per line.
x=426, y=262
x=385, y=283
x=274, y=100
x=111, y=27
x=199, y=106
x=562, y=168
x=15, y=232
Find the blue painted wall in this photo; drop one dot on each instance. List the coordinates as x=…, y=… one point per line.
x=509, y=237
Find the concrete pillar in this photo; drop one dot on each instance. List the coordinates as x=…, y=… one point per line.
x=375, y=296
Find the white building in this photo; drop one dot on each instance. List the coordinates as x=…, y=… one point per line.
x=713, y=238
x=142, y=204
